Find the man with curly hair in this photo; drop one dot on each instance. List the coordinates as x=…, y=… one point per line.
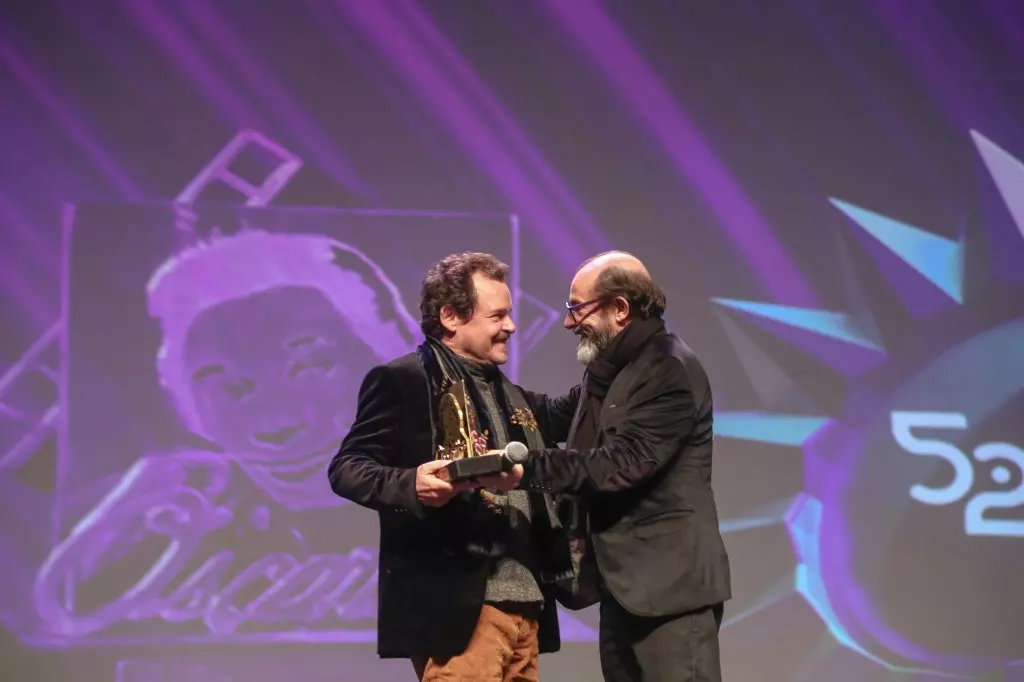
x=468, y=578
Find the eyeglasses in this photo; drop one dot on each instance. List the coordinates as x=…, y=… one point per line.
x=573, y=307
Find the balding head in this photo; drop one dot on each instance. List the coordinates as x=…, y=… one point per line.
x=613, y=259
x=584, y=285
x=616, y=288
x=618, y=274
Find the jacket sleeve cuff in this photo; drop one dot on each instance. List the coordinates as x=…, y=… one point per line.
x=407, y=493
x=530, y=481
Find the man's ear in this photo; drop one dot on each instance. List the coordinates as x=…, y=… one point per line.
x=620, y=308
x=449, y=319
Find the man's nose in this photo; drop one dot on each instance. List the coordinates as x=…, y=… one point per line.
x=569, y=322
x=509, y=327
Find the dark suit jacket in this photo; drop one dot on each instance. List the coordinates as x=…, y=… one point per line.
x=431, y=589
x=653, y=520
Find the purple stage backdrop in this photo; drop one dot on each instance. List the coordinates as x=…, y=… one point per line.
x=216, y=216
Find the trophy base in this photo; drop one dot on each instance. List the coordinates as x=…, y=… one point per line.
x=469, y=468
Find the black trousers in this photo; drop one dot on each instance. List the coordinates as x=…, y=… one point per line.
x=678, y=648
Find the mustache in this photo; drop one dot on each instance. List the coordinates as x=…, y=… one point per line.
x=597, y=337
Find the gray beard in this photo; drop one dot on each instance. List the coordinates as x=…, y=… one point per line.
x=587, y=351
x=590, y=346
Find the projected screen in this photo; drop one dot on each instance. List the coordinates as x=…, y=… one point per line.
x=216, y=219
x=254, y=339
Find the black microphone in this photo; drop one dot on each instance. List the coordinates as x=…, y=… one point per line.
x=487, y=464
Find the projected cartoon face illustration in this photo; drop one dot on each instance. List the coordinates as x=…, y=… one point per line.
x=272, y=376
x=266, y=338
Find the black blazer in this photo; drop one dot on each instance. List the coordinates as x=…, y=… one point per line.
x=431, y=589
x=653, y=520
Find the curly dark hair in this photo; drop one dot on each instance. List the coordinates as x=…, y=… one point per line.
x=646, y=299
x=450, y=282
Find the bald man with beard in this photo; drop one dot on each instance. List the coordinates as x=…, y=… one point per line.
x=639, y=456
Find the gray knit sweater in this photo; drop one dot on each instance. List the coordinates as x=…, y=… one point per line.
x=512, y=577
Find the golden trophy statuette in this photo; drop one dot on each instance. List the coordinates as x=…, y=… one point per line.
x=457, y=443
x=456, y=440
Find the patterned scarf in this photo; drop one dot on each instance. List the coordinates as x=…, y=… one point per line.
x=484, y=525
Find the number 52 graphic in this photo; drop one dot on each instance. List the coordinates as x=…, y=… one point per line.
x=975, y=522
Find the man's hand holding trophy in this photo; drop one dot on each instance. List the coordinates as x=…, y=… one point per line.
x=457, y=466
